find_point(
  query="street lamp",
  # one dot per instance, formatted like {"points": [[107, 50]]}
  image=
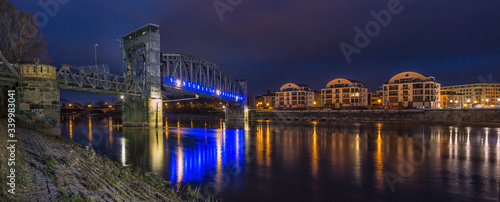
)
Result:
{"points": [[95, 51]]}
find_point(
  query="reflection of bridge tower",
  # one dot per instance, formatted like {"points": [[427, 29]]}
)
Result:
{"points": [[142, 62]]}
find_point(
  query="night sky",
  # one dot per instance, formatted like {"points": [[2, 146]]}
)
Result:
{"points": [[272, 43]]}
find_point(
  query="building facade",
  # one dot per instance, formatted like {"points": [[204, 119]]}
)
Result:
{"points": [[479, 94], [294, 96], [342, 92], [450, 99], [266, 101], [412, 90], [374, 101]]}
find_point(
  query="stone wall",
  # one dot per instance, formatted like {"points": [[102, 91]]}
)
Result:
{"points": [[38, 98], [434, 116], [3, 100]]}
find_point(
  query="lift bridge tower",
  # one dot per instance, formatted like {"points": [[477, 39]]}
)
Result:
{"points": [[141, 49]]}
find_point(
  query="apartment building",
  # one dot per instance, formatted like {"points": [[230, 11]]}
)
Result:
{"points": [[478, 94], [294, 96], [341, 92], [412, 90]]}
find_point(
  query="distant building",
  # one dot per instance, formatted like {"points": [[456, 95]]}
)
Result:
{"points": [[479, 94], [412, 90], [294, 96], [317, 99], [344, 93], [269, 100], [450, 99], [375, 100], [266, 101], [259, 101]]}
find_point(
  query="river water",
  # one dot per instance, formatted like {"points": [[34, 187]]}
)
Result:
{"points": [[306, 161]]}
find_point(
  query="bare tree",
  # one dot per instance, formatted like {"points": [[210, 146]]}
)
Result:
{"points": [[20, 38]]}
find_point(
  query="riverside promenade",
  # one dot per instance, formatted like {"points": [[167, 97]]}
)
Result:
{"points": [[451, 116]]}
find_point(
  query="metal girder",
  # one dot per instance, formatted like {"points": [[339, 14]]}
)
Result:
{"points": [[195, 74], [6, 67], [74, 78]]}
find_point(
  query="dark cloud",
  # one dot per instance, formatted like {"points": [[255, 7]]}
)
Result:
{"points": [[271, 43]]}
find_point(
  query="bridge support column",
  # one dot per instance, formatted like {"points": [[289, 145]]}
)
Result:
{"points": [[38, 98], [142, 112], [236, 112]]}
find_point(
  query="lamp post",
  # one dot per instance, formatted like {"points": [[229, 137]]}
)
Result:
{"points": [[95, 51]]}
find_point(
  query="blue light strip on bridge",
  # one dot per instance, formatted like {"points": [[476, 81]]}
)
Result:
{"points": [[193, 87]]}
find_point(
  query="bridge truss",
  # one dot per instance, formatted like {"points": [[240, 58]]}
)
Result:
{"points": [[8, 74], [72, 78], [190, 73]]}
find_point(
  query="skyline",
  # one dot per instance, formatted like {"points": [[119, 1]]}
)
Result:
{"points": [[273, 43]]}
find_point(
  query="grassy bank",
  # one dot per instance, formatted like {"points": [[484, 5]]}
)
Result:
{"points": [[58, 169]]}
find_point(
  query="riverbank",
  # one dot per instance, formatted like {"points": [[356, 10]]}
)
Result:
{"points": [[454, 116], [50, 168]]}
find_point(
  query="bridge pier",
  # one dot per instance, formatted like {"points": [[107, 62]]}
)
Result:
{"points": [[236, 112], [38, 98], [142, 112]]}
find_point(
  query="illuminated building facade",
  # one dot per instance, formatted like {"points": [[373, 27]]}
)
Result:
{"points": [[412, 90], [479, 94], [374, 100], [294, 96], [344, 93], [266, 101], [450, 99]]}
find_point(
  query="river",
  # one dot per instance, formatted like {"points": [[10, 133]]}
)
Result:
{"points": [[306, 161]]}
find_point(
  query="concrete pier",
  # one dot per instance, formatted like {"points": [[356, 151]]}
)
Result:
{"points": [[235, 112]]}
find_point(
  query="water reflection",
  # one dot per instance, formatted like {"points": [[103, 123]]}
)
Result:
{"points": [[315, 155], [90, 131], [307, 160], [379, 158], [71, 128]]}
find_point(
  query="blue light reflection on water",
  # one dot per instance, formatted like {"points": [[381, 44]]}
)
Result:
{"points": [[194, 161]]}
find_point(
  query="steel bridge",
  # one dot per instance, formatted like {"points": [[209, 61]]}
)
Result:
{"points": [[149, 76], [180, 73]]}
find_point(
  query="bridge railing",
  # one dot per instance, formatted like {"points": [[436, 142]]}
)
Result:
{"points": [[75, 78]]}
